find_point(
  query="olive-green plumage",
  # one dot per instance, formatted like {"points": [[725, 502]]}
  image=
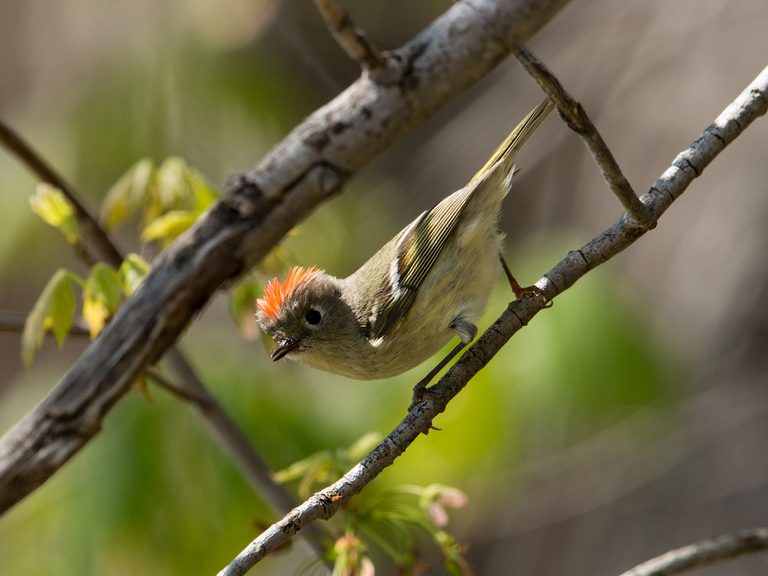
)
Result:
{"points": [[429, 282]]}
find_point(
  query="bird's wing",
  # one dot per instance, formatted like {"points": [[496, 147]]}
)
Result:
{"points": [[417, 248]]}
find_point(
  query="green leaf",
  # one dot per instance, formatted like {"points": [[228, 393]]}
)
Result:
{"points": [[62, 310], [102, 297], [54, 311], [172, 189], [132, 272], [168, 226], [52, 206], [203, 194], [363, 446], [303, 467], [127, 194]]}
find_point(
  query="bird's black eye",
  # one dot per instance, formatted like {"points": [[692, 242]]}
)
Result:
{"points": [[313, 316]]}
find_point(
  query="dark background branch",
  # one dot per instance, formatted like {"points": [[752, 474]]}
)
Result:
{"points": [[703, 553]]}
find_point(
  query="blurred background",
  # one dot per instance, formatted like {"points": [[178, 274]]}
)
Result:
{"points": [[629, 419]]}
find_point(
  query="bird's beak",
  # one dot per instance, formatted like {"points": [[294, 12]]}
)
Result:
{"points": [[284, 347]]}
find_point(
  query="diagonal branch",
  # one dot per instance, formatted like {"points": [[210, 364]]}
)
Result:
{"points": [[309, 166], [702, 553], [351, 38], [194, 391], [252, 466], [689, 164], [576, 117]]}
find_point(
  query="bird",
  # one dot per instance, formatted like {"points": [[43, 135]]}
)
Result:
{"points": [[429, 283]]}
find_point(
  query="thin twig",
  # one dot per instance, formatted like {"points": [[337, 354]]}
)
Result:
{"points": [[199, 401], [688, 165], [251, 465], [351, 38], [105, 248], [14, 322], [705, 552], [577, 120]]}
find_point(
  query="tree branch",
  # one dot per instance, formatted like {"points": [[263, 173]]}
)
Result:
{"points": [[689, 164], [704, 552], [255, 470], [308, 166], [577, 120], [351, 38], [14, 322], [194, 391], [105, 248]]}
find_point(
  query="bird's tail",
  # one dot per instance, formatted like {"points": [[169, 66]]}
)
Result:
{"points": [[507, 150]]}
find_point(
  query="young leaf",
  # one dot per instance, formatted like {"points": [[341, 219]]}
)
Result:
{"points": [[299, 469], [168, 226], [127, 194], [203, 194], [52, 206], [171, 186], [132, 272], [362, 446], [102, 297], [54, 310], [62, 309]]}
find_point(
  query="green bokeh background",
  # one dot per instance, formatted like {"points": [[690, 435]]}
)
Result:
{"points": [[154, 493]]}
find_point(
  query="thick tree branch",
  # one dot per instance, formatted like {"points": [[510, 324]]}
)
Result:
{"points": [[250, 463], [263, 204], [702, 553], [577, 120], [689, 164]]}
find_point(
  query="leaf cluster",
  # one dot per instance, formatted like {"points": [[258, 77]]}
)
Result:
{"points": [[164, 201], [403, 522]]}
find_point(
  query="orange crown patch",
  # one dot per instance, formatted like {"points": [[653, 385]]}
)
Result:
{"points": [[276, 292]]}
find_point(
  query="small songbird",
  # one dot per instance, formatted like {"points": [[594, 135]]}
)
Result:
{"points": [[428, 283]]}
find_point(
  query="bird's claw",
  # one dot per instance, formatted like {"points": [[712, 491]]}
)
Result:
{"points": [[420, 391], [533, 290]]}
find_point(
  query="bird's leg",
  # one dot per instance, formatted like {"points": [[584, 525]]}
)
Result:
{"points": [[521, 291], [467, 332], [421, 388]]}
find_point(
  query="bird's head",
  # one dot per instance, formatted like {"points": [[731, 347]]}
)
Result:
{"points": [[307, 316]]}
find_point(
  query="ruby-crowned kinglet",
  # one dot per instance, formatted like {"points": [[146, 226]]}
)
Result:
{"points": [[429, 282]]}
